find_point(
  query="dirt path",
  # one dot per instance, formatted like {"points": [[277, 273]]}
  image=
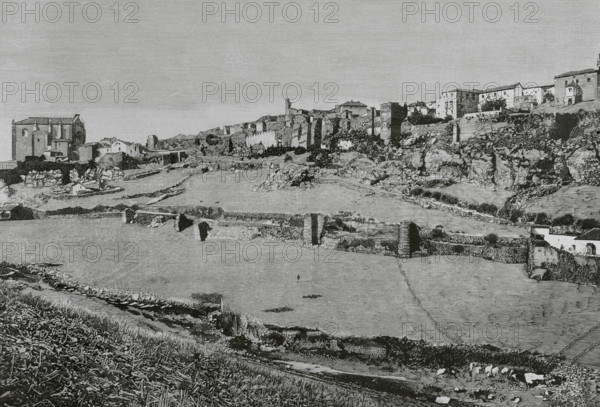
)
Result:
{"points": [[584, 349], [417, 301]]}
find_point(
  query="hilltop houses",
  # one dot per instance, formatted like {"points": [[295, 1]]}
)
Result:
{"points": [[511, 93], [577, 86]]}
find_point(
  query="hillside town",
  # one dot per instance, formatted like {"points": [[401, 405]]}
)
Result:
{"points": [[64, 139], [437, 252]]}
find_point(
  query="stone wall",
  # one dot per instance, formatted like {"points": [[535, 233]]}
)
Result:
{"points": [[501, 254], [564, 266]]}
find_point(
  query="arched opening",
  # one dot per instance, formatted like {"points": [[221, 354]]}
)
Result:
{"points": [[591, 249]]}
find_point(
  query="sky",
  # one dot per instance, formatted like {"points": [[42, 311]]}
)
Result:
{"points": [[133, 68]]}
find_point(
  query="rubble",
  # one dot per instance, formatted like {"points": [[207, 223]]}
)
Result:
{"points": [[38, 179]]}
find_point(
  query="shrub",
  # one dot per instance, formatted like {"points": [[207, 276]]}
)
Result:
{"points": [[274, 339], [449, 199], [565, 220], [240, 343], [416, 191], [437, 233], [489, 209], [542, 218], [587, 224], [436, 195], [491, 238], [458, 249], [515, 215], [426, 194]]}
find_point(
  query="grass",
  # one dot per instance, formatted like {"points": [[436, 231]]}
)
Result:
{"points": [[63, 356]]}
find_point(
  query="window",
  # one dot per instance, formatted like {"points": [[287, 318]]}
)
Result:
{"points": [[577, 81], [589, 80], [566, 83]]}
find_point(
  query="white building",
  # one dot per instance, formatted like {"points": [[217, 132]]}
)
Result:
{"points": [[114, 145], [537, 94], [585, 244], [510, 93]]}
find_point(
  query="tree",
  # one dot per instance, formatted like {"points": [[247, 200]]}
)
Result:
{"points": [[493, 104]]}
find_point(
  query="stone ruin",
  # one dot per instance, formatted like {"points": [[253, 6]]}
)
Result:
{"points": [[38, 179]]}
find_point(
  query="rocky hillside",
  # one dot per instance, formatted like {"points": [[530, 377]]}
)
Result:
{"points": [[529, 151]]}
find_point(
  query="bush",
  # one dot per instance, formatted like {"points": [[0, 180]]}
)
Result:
{"points": [[416, 191], [493, 104], [565, 220], [299, 150], [436, 195], [489, 209], [515, 215], [491, 238], [458, 249], [587, 224], [240, 343], [542, 218], [426, 194], [437, 233], [449, 199]]}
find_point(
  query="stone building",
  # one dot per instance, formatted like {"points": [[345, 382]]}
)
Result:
{"points": [[88, 152], [355, 108], [392, 116], [457, 103], [577, 86], [35, 136], [152, 143]]}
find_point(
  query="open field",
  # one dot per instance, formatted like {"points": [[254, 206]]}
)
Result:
{"points": [[380, 295], [580, 201], [234, 192]]}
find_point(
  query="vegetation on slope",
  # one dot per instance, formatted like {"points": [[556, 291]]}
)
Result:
{"points": [[60, 356]]}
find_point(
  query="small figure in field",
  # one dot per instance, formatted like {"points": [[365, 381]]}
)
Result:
{"points": [[298, 278]]}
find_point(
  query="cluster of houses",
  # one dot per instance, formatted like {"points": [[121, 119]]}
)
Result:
{"points": [[569, 88], [64, 139], [307, 128]]}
